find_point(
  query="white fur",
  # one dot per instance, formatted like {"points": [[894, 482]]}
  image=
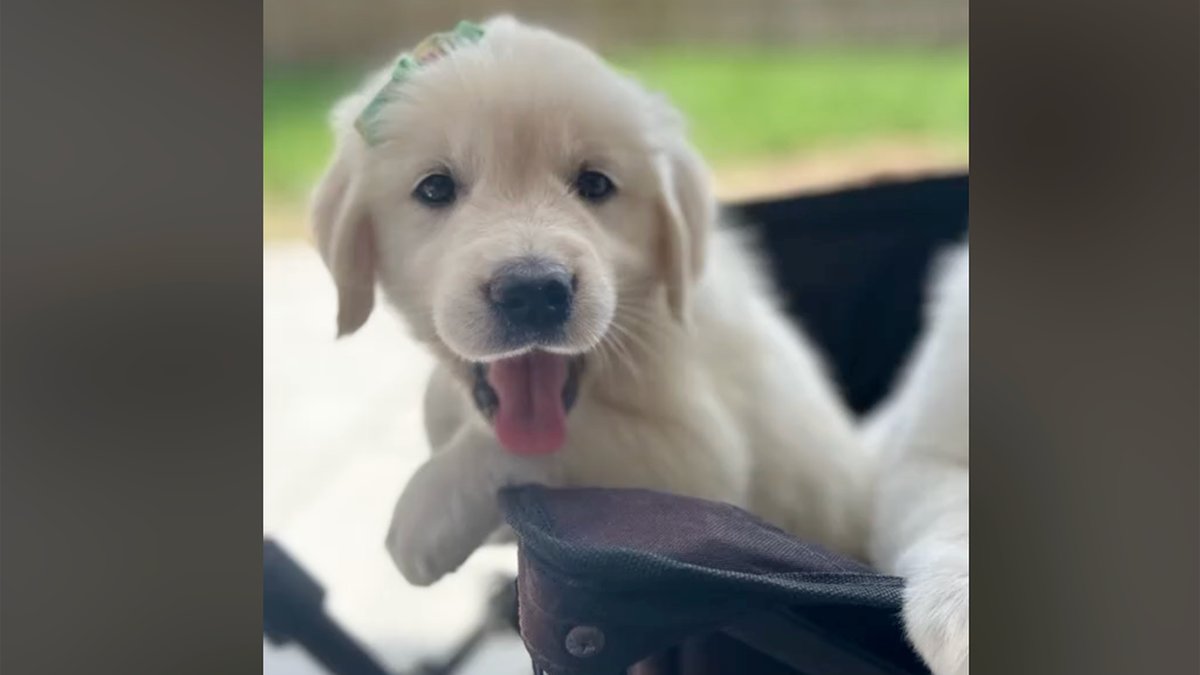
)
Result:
{"points": [[695, 381], [921, 528]]}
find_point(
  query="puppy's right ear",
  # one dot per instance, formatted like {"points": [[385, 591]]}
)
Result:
{"points": [[345, 236]]}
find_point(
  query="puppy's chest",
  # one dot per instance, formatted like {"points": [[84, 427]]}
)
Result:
{"points": [[696, 455]]}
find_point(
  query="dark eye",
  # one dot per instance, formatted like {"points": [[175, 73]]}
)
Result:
{"points": [[594, 186], [435, 190]]}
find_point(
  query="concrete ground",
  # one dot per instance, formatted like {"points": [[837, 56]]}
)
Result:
{"points": [[342, 432]]}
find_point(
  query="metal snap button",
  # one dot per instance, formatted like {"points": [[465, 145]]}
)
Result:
{"points": [[584, 641]]}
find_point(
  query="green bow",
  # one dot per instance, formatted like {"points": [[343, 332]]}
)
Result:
{"points": [[427, 51]]}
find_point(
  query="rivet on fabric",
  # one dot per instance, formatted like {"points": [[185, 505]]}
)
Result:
{"points": [[584, 641]]}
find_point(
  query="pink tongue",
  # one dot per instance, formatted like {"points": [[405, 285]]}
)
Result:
{"points": [[530, 419]]}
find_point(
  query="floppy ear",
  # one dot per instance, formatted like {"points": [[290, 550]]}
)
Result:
{"points": [[688, 214], [345, 237]]}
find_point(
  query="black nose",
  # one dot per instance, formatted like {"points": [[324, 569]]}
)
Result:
{"points": [[533, 297]]}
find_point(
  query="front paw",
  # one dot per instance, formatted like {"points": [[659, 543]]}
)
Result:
{"points": [[937, 616], [423, 552], [435, 526]]}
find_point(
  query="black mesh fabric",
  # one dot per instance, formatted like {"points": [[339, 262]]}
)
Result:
{"points": [[611, 580]]}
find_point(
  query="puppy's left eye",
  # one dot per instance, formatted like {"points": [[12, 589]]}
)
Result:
{"points": [[594, 186]]}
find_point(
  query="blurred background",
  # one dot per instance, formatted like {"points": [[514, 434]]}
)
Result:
{"points": [[781, 95]]}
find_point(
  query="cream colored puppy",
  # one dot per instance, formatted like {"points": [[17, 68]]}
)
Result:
{"points": [[544, 226], [921, 528]]}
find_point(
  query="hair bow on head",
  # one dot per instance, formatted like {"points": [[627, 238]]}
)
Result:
{"points": [[427, 51]]}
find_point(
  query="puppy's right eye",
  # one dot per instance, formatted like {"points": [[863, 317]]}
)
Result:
{"points": [[435, 190]]}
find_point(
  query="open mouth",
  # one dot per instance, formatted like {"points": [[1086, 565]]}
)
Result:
{"points": [[527, 399]]}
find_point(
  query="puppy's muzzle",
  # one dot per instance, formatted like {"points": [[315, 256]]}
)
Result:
{"points": [[531, 300]]}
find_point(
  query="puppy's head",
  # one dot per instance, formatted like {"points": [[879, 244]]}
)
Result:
{"points": [[518, 197]]}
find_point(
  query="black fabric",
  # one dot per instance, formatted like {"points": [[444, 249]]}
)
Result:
{"points": [[854, 265]]}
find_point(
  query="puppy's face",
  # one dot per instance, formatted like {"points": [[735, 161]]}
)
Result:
{"points": [[522, 196]]}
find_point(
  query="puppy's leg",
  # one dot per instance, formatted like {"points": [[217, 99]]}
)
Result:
{"points": [[446, 408], [936, 568], [449, 507], [922, 513], [447, 411]]}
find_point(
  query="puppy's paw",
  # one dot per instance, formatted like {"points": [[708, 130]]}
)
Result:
{"points": [[435, 527], [937, 614], [424, 553]]}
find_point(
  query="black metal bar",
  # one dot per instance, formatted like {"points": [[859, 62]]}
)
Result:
{"points": [[293, 611]]}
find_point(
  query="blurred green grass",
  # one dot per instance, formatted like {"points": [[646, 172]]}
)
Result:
{"points": [[741, 105]]}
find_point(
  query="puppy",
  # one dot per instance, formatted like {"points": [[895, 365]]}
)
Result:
{"points": [[545, 227], [921, 527]]}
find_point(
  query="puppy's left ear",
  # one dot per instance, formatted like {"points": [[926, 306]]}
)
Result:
{"points": [[688, 214]]}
